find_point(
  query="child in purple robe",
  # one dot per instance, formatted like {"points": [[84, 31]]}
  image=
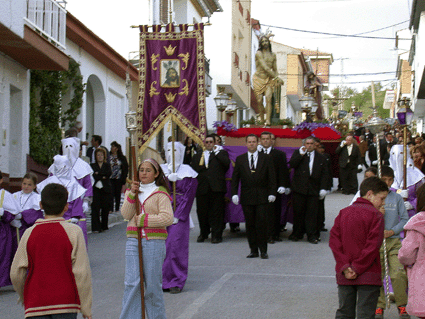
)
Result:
{"points": [[9, 223], [28, 202], [176, 263]]}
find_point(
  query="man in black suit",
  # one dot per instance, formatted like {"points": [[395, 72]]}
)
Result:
{"points": [[308, 186], [282, 181], [211, 166], [349, 162], [255, 172], [96, 142]]}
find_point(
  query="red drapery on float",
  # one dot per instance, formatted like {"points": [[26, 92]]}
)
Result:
{"points": [[324, 133]]}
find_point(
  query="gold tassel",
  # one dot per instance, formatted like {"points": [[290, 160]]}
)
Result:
{"points": [[201, 162]]}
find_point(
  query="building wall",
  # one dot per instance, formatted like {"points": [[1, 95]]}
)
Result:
{"points": [[12, 13], [105, 102], [14, 110], [241, 47], [321, 68]]}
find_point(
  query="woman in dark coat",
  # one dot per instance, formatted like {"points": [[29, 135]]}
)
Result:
{"points": [[119, 167], [101, 191], [190, 150]]}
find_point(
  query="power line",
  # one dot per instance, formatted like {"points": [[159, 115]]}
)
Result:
{"points": [[382, 28], [334, 34]]}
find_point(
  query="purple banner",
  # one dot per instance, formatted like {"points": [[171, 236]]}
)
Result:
{"points": [[171, 82]]}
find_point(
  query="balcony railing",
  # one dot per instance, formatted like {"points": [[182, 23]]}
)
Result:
{"points": [[49, 18]]}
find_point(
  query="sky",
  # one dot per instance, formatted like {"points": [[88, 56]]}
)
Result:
{"points": [[111, 21]]}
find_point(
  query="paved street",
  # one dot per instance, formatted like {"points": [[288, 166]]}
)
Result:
{"points": [[296, 282]]}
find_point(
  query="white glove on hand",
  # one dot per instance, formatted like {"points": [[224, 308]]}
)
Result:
{"points": [[176, 220], [360, 166], [375, 162], [1, 212], [172, 177], [303, 150], [259, 148], [281, 190], [322, 193], [74, 220], [18, 216], [217, 149], [408, 205], [342, 144], [287, 191], [235, 199], [16, 223], [85, 207], [404, 193], [272, 198]]}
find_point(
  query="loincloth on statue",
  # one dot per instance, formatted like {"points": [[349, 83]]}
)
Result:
{"points": [[260, 85]]}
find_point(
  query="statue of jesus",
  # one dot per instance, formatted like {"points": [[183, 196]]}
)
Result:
{"points": [[265, 78]]}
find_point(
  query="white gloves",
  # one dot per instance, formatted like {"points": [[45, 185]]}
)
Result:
{"points": [[404, 193], [1, 212], [74, 220], [375, 162], [172, 177], [16, 223], [342, 144], [360, 166], [281, 190], [259, 148], [18, 216], [235, 199], [176, 220], [272, 198], [217, 148], [303, 150], [408, 205], [287, 191], [322, 193], [85, 207]]}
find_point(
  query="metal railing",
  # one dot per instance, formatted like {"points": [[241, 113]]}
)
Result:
{"points": [[48, 17]]}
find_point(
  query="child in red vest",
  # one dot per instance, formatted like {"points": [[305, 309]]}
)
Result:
{"points": [[51, 270], [355, 240]]}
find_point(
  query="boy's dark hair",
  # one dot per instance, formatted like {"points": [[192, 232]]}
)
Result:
{"points": [[246, 138], [54, 198], [372, 169], [1, 175], [374, 184], [387, 172]]}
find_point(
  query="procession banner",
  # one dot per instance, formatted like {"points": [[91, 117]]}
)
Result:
{"points": [[171, 82]]}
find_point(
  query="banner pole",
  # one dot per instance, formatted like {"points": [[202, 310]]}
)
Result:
{"points": [[173, 139]]}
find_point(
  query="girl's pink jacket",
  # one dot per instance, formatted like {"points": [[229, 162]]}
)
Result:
{"points": [[412, 255]]}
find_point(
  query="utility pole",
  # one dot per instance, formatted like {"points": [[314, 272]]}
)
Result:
{"points": [[340, 105]]}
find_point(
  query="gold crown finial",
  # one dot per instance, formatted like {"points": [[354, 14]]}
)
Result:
{"points": [[170, 97], [170, 50]]}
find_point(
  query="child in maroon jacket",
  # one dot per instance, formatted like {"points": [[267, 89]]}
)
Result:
{"points": [[355, 240]]}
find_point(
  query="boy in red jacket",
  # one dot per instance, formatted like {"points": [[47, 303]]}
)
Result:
{"points": [[355, 240], [51, 270]]}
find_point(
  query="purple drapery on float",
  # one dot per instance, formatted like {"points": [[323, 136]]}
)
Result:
{"points": [[171, 81]]}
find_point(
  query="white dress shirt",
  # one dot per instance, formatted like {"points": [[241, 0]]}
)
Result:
{"points": [[207, 157], [255, 159], [267, 150], [310, 164]]}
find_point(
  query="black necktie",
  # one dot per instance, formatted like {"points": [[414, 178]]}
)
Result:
{"points": [[308, 154], [252, 161]]}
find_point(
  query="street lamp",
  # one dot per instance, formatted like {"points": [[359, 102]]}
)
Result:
{"points": [[307, 106], [405, 117], [221, 100]]}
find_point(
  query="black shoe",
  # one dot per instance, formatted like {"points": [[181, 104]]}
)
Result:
{"points": [[271, 241], [313, 241], [175, 290], [252, 255], [277, 239], [216, 240], [294, 237], [264, 256], [324, 229], [200, 239]]}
